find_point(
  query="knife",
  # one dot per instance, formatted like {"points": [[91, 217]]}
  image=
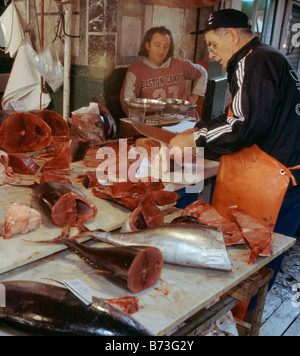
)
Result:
{"points": [[153, 132]]}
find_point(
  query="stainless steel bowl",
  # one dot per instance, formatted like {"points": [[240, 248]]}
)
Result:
{"points": [[179, 106], [145, 104]]}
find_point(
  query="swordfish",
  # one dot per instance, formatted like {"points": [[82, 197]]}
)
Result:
{"points": [[198, 246]]}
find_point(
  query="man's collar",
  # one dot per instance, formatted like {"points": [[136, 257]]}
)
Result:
{"points": [[148, 63], [241, 54]]}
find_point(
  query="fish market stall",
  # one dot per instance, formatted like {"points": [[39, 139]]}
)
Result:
{"points": [[180, 293], [131, 241]]}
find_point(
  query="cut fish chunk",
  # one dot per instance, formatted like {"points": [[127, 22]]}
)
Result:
{"points": [[257, 236], [20, 219]]}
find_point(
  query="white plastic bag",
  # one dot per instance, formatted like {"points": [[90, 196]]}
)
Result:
{"points": [[49, 66]]}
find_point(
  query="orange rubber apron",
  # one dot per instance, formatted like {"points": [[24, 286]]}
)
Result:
{"points": [[256, 183]]}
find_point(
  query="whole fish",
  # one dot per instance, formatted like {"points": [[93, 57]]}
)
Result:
{"points": [[181, 244], [49, 309], [135, 267], [64, 203]]}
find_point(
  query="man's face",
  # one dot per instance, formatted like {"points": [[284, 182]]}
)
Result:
{"points": [[158, 48], [220, 46]]}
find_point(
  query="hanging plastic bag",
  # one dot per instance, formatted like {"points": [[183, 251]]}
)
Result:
{"points": [[49, 66]]}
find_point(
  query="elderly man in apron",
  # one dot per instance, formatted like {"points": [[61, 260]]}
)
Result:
{"points": [[258, 138]]}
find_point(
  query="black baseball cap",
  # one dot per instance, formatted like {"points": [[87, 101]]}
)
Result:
{"points": [[228, 18]]}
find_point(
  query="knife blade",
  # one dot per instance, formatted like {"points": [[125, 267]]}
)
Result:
{"points": [[153, 132]]}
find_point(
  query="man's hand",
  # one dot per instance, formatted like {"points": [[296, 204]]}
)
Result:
{"points": [[182, 141], [179, 143], [194, 98]]}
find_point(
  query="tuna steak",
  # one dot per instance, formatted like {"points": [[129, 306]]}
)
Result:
{"points": [[24, 132], [59, 127]]}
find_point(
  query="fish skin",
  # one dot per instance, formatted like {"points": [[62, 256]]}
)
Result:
{"points": [[50, 309], [180, 244]]}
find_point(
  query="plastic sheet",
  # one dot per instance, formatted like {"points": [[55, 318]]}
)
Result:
{"points": [[49, 66]]}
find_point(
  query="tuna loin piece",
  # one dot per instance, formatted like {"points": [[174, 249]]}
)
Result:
{"points": [[24, 132], [74, 148], [257, 236], [65, 204], [129, 194], [90, 179], [207, 214], [54, 309], [129, 304], [22, 164], [6, 172], [57, 165], [53, 177], [20, 219]]}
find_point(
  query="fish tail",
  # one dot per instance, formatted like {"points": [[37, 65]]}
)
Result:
{"points": [[83, 231], [56, 240], [61, 239]]}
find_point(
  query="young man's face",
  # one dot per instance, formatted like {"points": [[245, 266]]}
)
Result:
{"points": [[158, 48]]}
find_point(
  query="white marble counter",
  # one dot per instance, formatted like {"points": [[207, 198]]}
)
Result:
{"points": [[181, 291]]}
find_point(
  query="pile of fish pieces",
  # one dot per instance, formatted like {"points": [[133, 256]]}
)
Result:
{"points": [[244, 229], [135, 267], [37, 132]]}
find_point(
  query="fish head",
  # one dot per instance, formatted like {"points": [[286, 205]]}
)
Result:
{"points": [[90, 125], [100, 129]]}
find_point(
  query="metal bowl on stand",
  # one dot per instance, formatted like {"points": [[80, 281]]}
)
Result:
{"points": [[179, 106], [151, 105], [144, 105]]}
